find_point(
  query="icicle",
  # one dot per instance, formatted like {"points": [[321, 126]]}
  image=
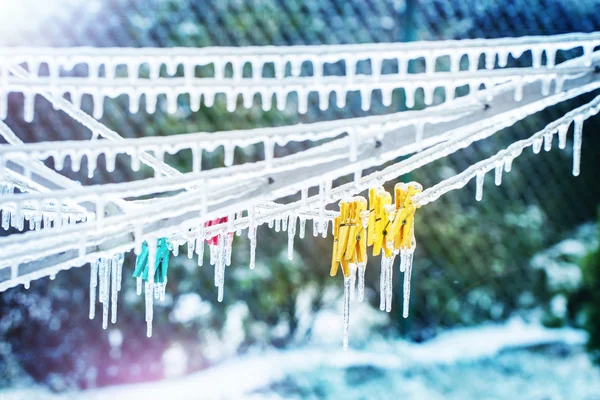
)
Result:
{"points": [[114, 298], [366, 95], [518, 89], [200, 244], [28, 106], [291, 234], [229, 150], [252, 235], [190, 248], [548, 136], [409, 93], [479, 190], [238, 216], [93, 285], [390, 284], [149, 289], [577, 139], [382, 284], [228, 248], [324, 229], [537, 145], [277, 225], [407, 276], [322, 199], [213, 254], [105, 283], [498, 176], [353, 269], [508, 163], [302, 231], [139, 286], [220, 268], [362, 267], [120, 259], [347, 285], [315, 227], [562, 136], [5, 219]]}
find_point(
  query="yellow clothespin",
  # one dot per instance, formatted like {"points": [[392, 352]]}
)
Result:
{"points": [[350, 240], [403, 226], [382, 222]]}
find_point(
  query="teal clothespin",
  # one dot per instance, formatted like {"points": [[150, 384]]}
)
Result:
{"points": [[161, 263]]}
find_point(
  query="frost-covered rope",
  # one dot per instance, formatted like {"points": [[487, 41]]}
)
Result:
{"points": [[208, 88], [229, 140], [279, 58], [504, 158], [462, 139]]}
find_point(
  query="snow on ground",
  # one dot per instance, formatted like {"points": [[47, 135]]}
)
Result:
{"points": [[273, 374]]}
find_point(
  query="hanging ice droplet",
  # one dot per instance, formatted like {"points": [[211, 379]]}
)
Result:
{"points": [[347, 285], [277, 225], [562, 136], [362, 267], [577, 139], [498, 173], [508, 163], [548, 136], [302, 231], [537, 145], [479, 190], [190, 248], [139, 286], [407, 276]]}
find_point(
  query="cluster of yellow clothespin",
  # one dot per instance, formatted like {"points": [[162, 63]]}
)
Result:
{"points": [[386, 226]]}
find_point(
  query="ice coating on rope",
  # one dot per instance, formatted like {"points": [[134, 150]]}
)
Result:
{"points": [[279, 56]]}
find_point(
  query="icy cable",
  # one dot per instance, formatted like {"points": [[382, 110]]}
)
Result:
{"points": [[261, 59]]}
